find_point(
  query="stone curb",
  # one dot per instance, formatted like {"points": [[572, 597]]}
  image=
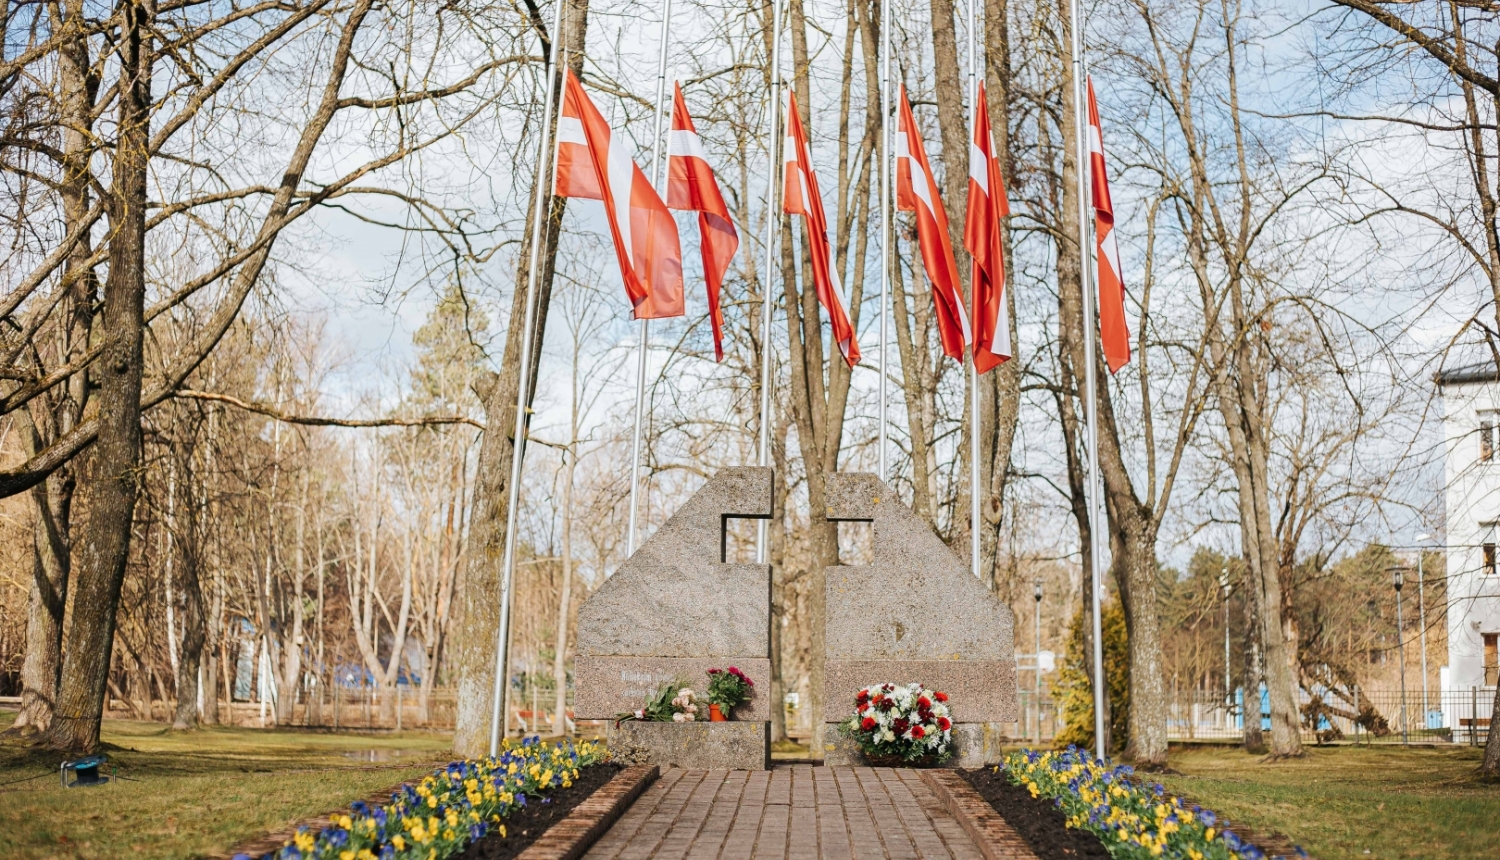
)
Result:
{"points": [[570, 838], [996, 839]]}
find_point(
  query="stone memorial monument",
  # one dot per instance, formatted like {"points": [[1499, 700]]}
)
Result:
{"points": [[675, 609], [917, 614]]}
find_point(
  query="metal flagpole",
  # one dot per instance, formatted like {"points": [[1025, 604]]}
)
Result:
{"points": [[635, 439], [498, 710], [640, 371], [973, 366], [773, 152], [887, 210], [1091, 393]]}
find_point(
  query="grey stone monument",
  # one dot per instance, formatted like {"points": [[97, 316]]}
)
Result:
{"points": [[675, 609], [917, 614]]}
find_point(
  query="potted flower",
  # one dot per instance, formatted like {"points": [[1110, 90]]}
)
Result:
{"points": [[675, 702], [727, 690], [901, 724]]}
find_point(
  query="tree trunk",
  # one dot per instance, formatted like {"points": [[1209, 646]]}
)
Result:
{"points": [[211, 660], [479, 588], [52, 543], [44, 625], [193, 635], [1136, 522], [776, 536], [291, 650], [1000, 390], [1253, 736], [47, 597], [1490, 767], [819, 400], [110, 496]]}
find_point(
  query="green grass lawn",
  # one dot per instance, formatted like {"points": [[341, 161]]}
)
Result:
{"points": [[1359, 802], [196, 793]]}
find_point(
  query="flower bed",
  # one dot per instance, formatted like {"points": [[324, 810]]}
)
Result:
{"points": [[1131, 819], [446, 811]]}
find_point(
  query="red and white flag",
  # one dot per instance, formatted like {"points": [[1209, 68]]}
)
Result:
{"points": [[691, 185], [988, 206], [801, 197], [1114, 332], [592, 163], [917, 191]]}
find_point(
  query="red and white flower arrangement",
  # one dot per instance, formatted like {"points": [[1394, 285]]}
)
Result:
{"points": [[901, 721]]}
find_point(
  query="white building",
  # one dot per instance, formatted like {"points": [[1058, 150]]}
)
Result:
{"points": [[1471, 471]]}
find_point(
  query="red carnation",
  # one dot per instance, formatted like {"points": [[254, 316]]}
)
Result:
{"points": [[917, 732], [944, 723], [864, 696], [867, 723], [941, 697], [924, 704], [862, 707], [900, 725]]}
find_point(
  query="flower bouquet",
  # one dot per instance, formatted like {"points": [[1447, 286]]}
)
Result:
{"points": [[897, 724], [727, 690], [674, 702]]}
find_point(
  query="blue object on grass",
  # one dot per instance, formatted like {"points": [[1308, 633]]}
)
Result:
{"points": [[85, 771]]}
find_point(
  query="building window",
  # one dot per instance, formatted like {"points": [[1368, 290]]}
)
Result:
{"points": [[1489, 559], [1491, 658], [1487, 436]]}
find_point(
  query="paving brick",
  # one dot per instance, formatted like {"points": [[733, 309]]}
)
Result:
{"points": [[807, 813]]}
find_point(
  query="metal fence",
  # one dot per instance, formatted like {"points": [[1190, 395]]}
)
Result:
{"points": [[357, 707], [1373, 716], [1447, 717]]}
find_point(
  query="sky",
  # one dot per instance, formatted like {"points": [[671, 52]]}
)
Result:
{"points": [[371, 301]]}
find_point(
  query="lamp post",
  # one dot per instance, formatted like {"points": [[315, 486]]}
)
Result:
{"points": [[1228, 692], [1397, 580], [1036, 695], [1422, 619]]}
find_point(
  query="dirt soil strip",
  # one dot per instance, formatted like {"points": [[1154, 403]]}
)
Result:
{"points": [[570, 838], [273, 841], [996, 839], [1039, 823]]}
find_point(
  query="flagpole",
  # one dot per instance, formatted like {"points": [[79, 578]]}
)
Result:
{"points": [[1091, 393], [773, 152], [973, 365], [886, 211], [633, 532], [498, 709]]}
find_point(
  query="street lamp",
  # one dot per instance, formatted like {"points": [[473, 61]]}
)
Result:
{"points": [[1228, 692], [1422, 619], [1397, 579], [1037, 693]]}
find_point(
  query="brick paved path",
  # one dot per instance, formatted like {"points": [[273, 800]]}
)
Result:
{"points": [[791, 812]]}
